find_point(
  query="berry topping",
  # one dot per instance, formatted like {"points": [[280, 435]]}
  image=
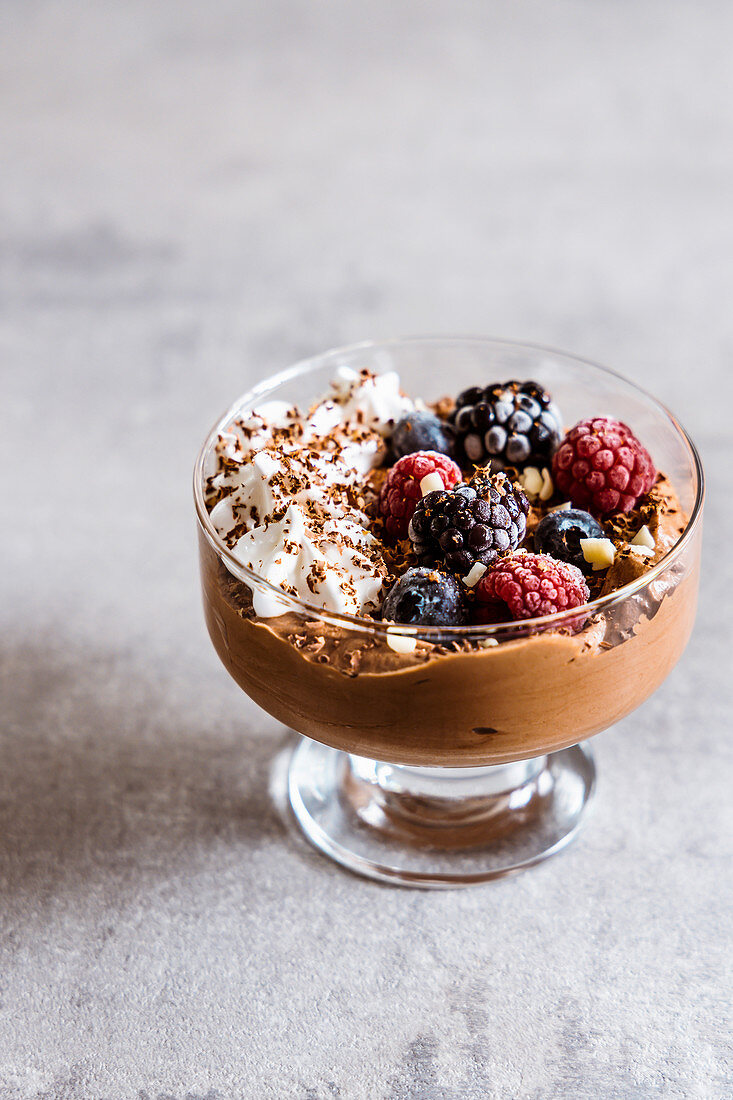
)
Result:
{"points": [[422, 431], [532, 585], [472, 523], [512, 424], [401, 490], [602, 466], [559, 533], [425, 597]]}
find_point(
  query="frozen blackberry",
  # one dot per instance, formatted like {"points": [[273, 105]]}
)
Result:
{"points": [[511, 424], [425, 597], [559, 533], [474, 523], [422, 431]]}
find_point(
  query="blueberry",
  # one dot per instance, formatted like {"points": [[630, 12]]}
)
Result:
{"points": [[422, 431], [559, 535], [425, 597]]}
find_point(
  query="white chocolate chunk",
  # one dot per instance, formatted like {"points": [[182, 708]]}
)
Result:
{"points": [[645, 551], [531, 481], [401, 643], [431, 483], [487, 643], [643, 537], [560, 507], [547, 487], [598, 552], [474, 575]]}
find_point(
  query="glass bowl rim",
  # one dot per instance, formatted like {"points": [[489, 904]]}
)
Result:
{"points": [[440, 633]]}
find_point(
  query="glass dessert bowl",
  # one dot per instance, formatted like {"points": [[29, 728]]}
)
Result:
{"points": [[441, 755]]}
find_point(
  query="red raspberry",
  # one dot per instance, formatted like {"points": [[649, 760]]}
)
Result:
{"points": [[532, 585], [602, 467], [401, 489]]}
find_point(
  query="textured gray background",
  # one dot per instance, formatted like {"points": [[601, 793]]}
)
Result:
{"points": [[192, 195]]}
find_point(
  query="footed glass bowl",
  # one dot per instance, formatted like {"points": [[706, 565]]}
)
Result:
{"points": [[445, 756]]}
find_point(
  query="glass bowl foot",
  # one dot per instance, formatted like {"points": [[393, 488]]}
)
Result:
{"points": [[438, 827]]}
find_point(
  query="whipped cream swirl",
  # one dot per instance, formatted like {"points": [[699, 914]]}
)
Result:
{"points": [[289, 498]]}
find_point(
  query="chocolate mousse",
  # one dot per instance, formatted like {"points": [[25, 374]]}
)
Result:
{"points": [[321, 506]]}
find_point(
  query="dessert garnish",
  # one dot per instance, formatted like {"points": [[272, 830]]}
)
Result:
{"points": [[403, 487], [645, 551], [537, 484], [644, 537], [401, 643], [356, 505], [422, 431], [510, 423], [471, 523], [287, 493], [532, 585], [425, 597], [599, 553], [559, 534], [601, 465]]}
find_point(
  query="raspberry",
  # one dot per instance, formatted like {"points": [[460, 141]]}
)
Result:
{"points": [[510, 423], [602, 467], [532, 585], [401, 492], [472, 523]]}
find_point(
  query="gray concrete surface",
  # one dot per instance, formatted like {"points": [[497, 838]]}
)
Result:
{"points": [[192, 195]]}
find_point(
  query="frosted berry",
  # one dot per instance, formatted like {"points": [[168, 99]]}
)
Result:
{"points": [[401, 490], [471, 523], [510, 423], [425, 597], [532, 585], [422, 431], [559, 533], [602, 467]]}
